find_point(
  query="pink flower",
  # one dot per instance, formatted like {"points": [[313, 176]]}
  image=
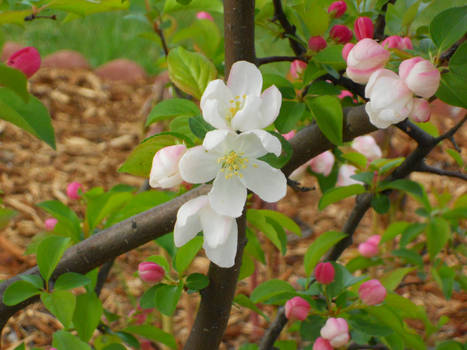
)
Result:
{"points": [[72, 190], [337, 9], [366, 57], [367, 146], [336, 330], [363, 28], [421, 110], [406, 43], [392, 42], [341, 34], [50, 224], [322, 344], [346, 49], [289, 135], [345, 172], [345, 93], [369, 248], [317, 43], [297, 308], [372, 292], [296, 68], [150, 272], [164, 171], [391, 100], [324, 273], [204, 15], [27, 60], [322, 163], [420, 75]]}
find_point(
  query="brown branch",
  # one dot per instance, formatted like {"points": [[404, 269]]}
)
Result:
{"points": [[272, 59], [274, 330], [289, 29], [425, 168], [381, 21]]}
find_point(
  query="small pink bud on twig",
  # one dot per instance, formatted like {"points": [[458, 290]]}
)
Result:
{"points": [[337, 9], [27, 60], [324, 273], [72, 190], [50, 223], [372, 292], [150, 272], [297, 308]]}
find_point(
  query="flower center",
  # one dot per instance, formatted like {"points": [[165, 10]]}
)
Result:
{"points": [[232, 163], [235, 105]]}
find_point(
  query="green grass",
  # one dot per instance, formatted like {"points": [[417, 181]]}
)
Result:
{"points": [[100, 38]]}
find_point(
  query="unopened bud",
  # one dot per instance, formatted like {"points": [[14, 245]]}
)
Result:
{"points": [[372, 292], [337, 9], [150, 272], [363, 28], [72, 190], [324, 273], [27, 60], [297, 308], [50, 223], [341, 34], [317, 43]]}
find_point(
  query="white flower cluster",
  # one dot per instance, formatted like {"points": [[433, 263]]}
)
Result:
{"points": [[229, 156]]}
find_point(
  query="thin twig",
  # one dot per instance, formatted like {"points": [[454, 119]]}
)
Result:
{"points": [[274, 330], [289, 29], [295, 185], [271, 59], [425, 168]]}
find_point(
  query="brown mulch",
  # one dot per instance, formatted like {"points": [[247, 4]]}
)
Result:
{"points": [[97, 124]]}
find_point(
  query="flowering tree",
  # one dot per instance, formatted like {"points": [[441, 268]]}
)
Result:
{"points": [[252, 136]]}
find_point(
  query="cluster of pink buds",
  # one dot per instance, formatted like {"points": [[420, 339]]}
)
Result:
{"points": [[334, 334], [27, 60], [369, 248], [397, 42]]}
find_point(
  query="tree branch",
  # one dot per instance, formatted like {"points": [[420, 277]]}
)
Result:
{"points": [[264, 60], [274, 330], [425, 168], [289, 29]]}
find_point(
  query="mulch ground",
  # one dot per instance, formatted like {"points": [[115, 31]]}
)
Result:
{"points": [[97, 124]]}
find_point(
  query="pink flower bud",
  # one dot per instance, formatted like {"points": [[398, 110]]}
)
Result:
{"points": [[322, 344], [392, 42], [421, 110], [297, 308], [150, 272], [363, 28], [50, 223], [324, 273], [296, 68], [289, 135], [345, 93], [72, 190], [420, 75], [375, 239], [372, 292], [367, 146], [369, 248], [27, 60], [337, 9], [341, 34], [336, 330], [322, 163], [164, 171], [406, 44], [346, 49], [317, 43], [365, 58], [204, 15], [343, 177]]}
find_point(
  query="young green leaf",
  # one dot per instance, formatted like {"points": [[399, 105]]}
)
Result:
{"points": [[87, 314], [49, 252], [319, 247], [62, 304], [70, 280], [19, 291], [65, 340], [337, 193], [187, 253], [153, 333], [171, 108], [327, 111]]}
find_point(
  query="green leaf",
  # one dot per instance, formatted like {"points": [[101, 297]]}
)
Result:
{"points": [[15, 17], [5, 216], [19, 291], [258, 220], [285, 87], [407, 309], [14, 80], [197, 281], [449, 345], [187, 253], [285, 345], [360, 161], [327, 111], [317, 18], [337, 193], [199, 127], [85, 8], [448, 27], [368, 326], [290, 114], [21, 347], [437, 235], [409, 256], [101, 205], [283, 220], [253, 246], [380, 203], [454, 154], [445, 276], [171, 108], [392, 279], [272, 159], [319, 247], [114, 346], [452, 90], [172, 6], [62, 304], [87, 315], [153, 333], [63, 340], [269, 289], [167, 297], [458, 61], [244, 301], [410, 14], [248, 266], [360, 263], [66, 217], [332, 56], [31, 116], [393, 21], [35, 280], [411, 187], [140, 160], [70, 280], [393, 230], [160, 260], [49, 252], [191, 72]]}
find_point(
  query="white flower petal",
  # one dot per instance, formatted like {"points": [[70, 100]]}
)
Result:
{"points": [[216, 90], [249, 144], [271, 143], [227, 196], [249, 117], [216, 228], [188, 223], [214, 113], [245, 78], [270, 105], [267, 182], [168, 182], [198, 166], [213, 139], [224, 255]]}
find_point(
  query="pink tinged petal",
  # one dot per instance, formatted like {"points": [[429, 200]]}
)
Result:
{"points": [[204, 15], [216, 228], [406, 43], [245, 78], [406, 66], [421, 110], [367, 146], [289, 135], [270, 143], [270, 105], [224, 255], [228, 196], [346, 50], [267, 182], [322, 344], [198, 165], [249, 117], [323, 163], [423, 78], [164, 171], [340, 340], [188, 223], [27, 60]]}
